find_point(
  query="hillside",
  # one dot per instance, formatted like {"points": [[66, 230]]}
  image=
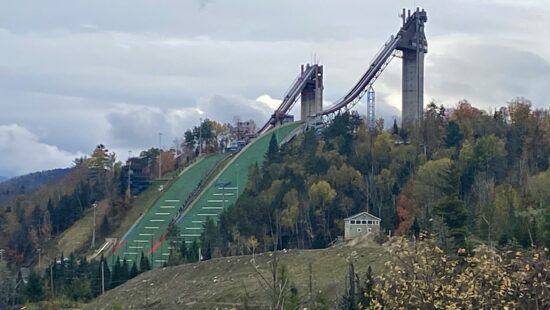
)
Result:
{"points": [[230, 281], [26, 184]]}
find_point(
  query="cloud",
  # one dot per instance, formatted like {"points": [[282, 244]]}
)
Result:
{"points": [[75, 74], [22, 152], [487, 74], [134, 126]]}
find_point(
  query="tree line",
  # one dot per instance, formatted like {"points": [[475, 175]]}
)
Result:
{"points": [[466, 176], [69, 278]]}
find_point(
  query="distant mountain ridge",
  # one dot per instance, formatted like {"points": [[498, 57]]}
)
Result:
{"points": [[21, 185], [3, 178]]}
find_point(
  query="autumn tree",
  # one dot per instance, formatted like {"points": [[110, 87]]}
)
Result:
{"points": [[321, 194]]}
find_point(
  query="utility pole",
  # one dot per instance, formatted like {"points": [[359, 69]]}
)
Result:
{"points": [[146, 292], [310, 297], [152, 253], [237, 165], [488, 230], [93, 231], [51, 278], [200, 137], [129, 174], [102, 278], [160, 155], [223, 197]]}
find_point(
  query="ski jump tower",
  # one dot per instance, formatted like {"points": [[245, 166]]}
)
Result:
{"points": [[413, 45], [312, 93], [410, 40]]}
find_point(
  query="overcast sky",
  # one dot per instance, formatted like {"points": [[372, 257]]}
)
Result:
{"points": [[74, 74]]}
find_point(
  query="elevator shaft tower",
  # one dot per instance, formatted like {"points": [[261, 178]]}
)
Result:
{"points": [[413, 45]]}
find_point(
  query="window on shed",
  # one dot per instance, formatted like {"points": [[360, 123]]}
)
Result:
{"points": [[369, 222], [352, 222], [364, 222]]}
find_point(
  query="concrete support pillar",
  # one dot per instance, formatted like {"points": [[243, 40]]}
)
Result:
{"points": [[312, 95], [412, 87], [414, 46]]}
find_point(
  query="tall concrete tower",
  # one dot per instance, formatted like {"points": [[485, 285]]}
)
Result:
{"points": [[414, 45], [312, 94]]}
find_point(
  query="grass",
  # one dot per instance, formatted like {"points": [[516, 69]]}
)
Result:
{"points": [[224, 282]]}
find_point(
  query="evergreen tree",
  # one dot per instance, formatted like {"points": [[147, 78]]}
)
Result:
{"points": [[34, 289], [454, 213], [366, 290], [144, 264], [106, 274], [273, 149], [208, 237], [80, 289], [174, 258], [96, 279], [453, 135], [134, 270], [183, 251], [395, 129], [125, 272], [116, 276], [193, 253], [105, 227]]}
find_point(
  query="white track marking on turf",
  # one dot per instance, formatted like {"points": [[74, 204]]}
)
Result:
{"points": [[197, 221], [144, 234], [222, 194], [212, 208], [189, 235], [206, 214], [151, 227], [141, 241], [156, 220], [167, 207], [172, 200], [193, 228], [162, 213]]}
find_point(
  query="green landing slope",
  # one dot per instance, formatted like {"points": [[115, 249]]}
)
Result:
{"points": [[154, 223], [226, 187]]}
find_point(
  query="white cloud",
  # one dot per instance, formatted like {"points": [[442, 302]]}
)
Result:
{"points": [[78, 74], [22, 152], [271, 103]]}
